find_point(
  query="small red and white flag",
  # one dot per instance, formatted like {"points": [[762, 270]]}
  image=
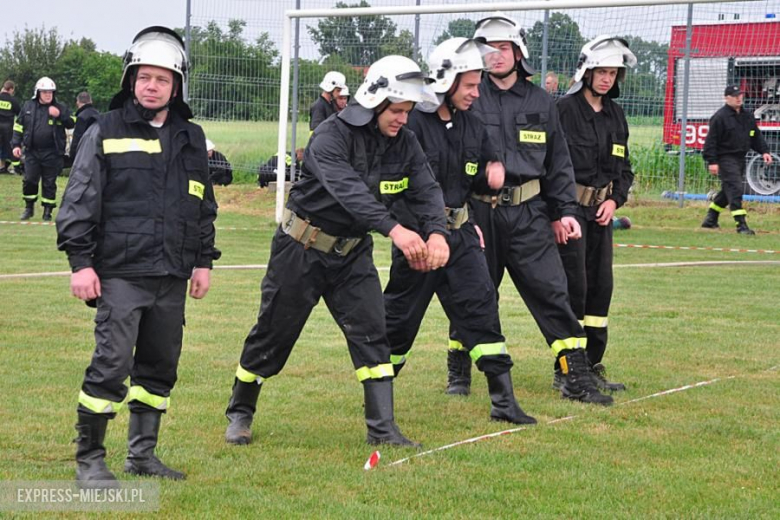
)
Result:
{"points": [[372, 461]]}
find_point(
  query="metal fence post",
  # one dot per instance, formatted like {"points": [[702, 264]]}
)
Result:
{"points": [[295, 92], [416, 34], [684, 122], [545, 32], [185, 89]]}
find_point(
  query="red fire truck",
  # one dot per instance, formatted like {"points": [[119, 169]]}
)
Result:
{"points": [[724, 53]]}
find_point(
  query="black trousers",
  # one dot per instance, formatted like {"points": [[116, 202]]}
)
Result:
{"points": [[41, 166], [466, 294], [6, 153], [731, 170], [588, 266], [145, 313], [520, 240], [295, 281]]}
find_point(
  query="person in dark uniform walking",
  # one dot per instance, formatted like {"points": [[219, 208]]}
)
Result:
{"points": [[355, 166], [458, 150], [9, 109], [325, 105], [137, 222], [522, 122], [86, 114], [40, 130], [733, 133], [597, 133]]}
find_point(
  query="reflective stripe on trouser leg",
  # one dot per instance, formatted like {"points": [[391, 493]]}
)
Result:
{"points": [[245, 376], [568, 344], [454, 344], [488, 349], [377, 372], [139, 393], [97, 405], [738, 212], [715, 207]]}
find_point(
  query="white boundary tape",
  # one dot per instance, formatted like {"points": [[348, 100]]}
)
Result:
{"points": [[562, 419]]}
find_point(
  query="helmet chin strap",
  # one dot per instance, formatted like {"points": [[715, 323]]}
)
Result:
{"points": [[505, 74], [448, 99], [148, 114]]}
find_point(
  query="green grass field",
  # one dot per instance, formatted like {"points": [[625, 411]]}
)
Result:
{"points": [[707, 452]]}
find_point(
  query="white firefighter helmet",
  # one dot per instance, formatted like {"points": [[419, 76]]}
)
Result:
{"points": [[455, 56], [501, 28], [344, 91], [209, 145], [158, 47], [393, 78], [45, 83], [333, 80], [604, 51]]}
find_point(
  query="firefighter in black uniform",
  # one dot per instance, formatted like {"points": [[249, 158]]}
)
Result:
{"points": [[355, 165], [40, 129], [733, 132], [137, 221], [458, 149], [522, 122], [325, 105], [86, 114], [9, 109], [597, 134]]}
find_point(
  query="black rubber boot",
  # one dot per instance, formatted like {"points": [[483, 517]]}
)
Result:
{"points": [[711, 220], [558, 379], [91, 469], [380, 420], [579, 385], [47, 213], [502, 398], [240, 411], [599, 374], [742, 227], [141, 441], [458, 372], [29, 211]]}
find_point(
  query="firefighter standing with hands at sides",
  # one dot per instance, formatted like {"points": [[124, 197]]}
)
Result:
{"points": [[356, 165], [325, 105], [40, 130], [522, 122], [458, 150], [9, 109], [597, 133], [732, 134], [137, 222]]}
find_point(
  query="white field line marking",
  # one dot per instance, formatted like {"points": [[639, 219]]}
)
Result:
{"points": [[265, 266], [559, 420]]}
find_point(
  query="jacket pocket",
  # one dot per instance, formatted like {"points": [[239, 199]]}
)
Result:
{"points": [[128, 242]]}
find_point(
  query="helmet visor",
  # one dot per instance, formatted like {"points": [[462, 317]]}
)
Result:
{"points": [[490, 55]]}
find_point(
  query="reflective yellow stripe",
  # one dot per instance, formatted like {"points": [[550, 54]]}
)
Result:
{"points": [[530, 136], [18, 128], [738, 212], [196, 189], [752, 133], [581, 322], [715, 207], [618, 150], [131, 145], [16, 163], [288, 160], [98, 405], [30, 197], [5, 105], [390, 187], [74, 118], [139, 393], [568, 344], [487, 349], [471, 168], [377, 372], [596, 321], [454, 344], [48, 201], [245, 376], [397, 360]]}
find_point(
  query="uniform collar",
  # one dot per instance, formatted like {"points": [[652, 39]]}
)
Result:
{"points": [[586, 110], [519, 87]]}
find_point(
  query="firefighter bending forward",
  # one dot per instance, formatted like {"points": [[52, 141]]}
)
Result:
{"points": [[458, 150], [356, 164], [137, 221]]}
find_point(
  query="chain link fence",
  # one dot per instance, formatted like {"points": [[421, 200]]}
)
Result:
{"points": [[235, 81]]}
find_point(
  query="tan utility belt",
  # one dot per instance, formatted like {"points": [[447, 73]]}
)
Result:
{"points": [[313, 237], [512, 195], [590, 196], [456, 217]]}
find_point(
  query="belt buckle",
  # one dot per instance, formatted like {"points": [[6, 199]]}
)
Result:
{"points": [[506, 195], [338, 246]]}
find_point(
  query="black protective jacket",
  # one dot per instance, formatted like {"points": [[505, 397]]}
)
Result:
{"points": [[220, 170], [126, 212], [732, 133], [9, 109], [523, 124], [320, 111], [351, 174], [598, 144], [34, 120], [457, 151], [85, 116]]}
